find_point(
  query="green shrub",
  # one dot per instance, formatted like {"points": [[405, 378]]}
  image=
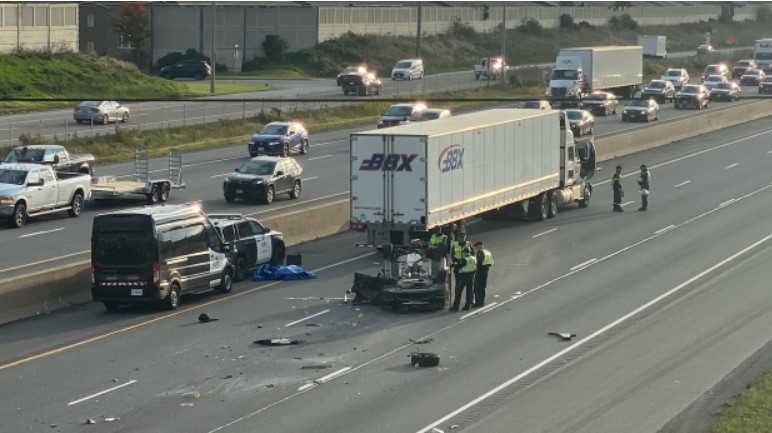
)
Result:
{"points": [[567, 22], [274, 47], [530, 26], [622, 22]]}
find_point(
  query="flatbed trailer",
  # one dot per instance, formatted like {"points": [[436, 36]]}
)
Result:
{"points": [[153, 190]]}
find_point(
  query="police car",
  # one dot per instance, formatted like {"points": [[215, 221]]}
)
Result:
{"points": [[254, 244]]}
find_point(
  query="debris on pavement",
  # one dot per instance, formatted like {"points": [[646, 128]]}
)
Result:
{"points": [[204, 318], [90, 421], [421, 341], [315, 367], [421, 359], [562, 335], [112, 419], [278, 342], [314, 324]]}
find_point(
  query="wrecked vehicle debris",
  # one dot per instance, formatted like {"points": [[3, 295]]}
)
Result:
{"points": [[562, 335], [278, 342], [420, 359]]}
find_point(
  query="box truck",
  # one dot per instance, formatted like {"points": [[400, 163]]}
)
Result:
{"points": [[653, 46], [580, 71], [409, 179], [762, 53]]}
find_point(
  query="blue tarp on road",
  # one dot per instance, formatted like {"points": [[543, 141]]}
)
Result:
{"points": [[292, 272]]}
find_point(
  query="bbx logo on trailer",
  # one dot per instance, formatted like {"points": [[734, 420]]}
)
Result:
{"points": [[451, 158], [388, 162]]}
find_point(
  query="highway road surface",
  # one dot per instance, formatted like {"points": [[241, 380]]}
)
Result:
{"points": [[664, 304]]}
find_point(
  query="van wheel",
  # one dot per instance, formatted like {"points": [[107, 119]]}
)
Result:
{"points": [[76, 205], [241, 269], [172, 301], [295, 193], [268, 198], [112, 306], [19, 217], [226, 284], [553, 206], [278, 254]]}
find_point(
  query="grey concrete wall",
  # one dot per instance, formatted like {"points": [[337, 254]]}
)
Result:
{"points": [[38, 26]]}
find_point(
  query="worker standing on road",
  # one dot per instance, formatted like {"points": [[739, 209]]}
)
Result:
{"points": [[484, 263], [616, 185], [467, 266], [643, 182], [438, 238]]}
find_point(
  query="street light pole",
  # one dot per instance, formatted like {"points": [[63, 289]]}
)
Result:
{"points": [[213, 52], [419, 30]]}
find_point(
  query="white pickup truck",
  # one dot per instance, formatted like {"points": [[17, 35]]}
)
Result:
{"points": [[490, 68], [32, 189]]}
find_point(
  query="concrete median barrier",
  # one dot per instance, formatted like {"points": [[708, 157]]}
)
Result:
{"points": [[30, 295]]}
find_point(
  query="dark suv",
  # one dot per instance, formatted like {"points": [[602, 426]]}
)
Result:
{"points": [[254, 243], [262, 177], [361, 84], [197, 69]]}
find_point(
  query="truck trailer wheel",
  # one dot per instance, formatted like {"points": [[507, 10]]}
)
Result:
{"points": [[553, 206], [538, 208]]}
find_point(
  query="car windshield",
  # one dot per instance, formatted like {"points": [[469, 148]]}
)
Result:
{"points": [[574, 115], [768, 79], [349, 70], [598, 97], [764, 56], [560, 74], [656, 85], [639, 103], [425, 115], [13, 177], [724, 86], [752, 72], [403, 65], [399, 110], [690, 89], [25, 155], [90, 104], [712, 70], [673, 73], [258, 168], [713, 78], [743, 63], [273, 130]]}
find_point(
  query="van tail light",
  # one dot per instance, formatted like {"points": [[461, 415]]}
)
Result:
{"points": [[358, 227], [93, 273], [157, 274]]}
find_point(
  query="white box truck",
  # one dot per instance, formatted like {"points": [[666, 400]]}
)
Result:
{"points": [[408, 179], [653, 46], [580, 71], [762, 53]]}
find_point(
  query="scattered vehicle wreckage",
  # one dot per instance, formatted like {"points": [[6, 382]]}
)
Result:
{"points": [[415, 275]]}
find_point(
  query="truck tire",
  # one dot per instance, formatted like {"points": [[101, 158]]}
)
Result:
{"points": [[538, 208], [226, 283], [76, 205], [553, 206], [19, 216], [585, 201]]}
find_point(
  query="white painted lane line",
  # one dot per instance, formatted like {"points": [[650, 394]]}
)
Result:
{"points": [[683, 183], [332, 375], [306, 318], [218, 175], [731, 166], [592, 336], [131, 382], [41, 233], [479, 310], [319, 157], [330, 142], [627, 203], [543, 233], [728, 202], [663, 230], [310, 178], [306, 386], [584, 265]]}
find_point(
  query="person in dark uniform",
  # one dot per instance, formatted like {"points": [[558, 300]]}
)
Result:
{"points": [[467, 266], [643, 182], [616, 186], [484, 263]]}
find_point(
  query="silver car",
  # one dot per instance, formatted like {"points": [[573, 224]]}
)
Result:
{"points": [[102, 112]]}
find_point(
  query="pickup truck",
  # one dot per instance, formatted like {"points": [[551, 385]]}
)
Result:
{"points": [[55, 155], [32, 189], [490, 68]]}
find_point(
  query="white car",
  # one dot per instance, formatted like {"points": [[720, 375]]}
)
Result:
{"points": [[678, 76]]}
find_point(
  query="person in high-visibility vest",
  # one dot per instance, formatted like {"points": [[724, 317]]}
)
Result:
{"points": [[616, 186], [643, 182], [467, 267], [438, 238], [484, 263], [457, 251]]}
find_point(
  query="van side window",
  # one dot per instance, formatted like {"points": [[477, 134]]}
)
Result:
{"points": [[172, 242], [195, 239]]}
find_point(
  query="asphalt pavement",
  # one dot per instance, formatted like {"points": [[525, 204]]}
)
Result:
{"points": [[664, 304]]}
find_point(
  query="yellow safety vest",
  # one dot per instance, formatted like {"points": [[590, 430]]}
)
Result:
{"points": [[458, 249], [438, 239], [487, 258], [469, 266]]}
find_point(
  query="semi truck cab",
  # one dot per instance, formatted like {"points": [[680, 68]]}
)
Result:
{"points": [[567, 80]]}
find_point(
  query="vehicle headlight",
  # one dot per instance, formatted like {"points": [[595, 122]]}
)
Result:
{"points": [[625, 112], [258, 181], [6, 200], [273, 143], [380, 122], [548, 93], [251, 142]]}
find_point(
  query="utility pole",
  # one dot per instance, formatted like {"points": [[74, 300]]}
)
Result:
{"points": [[504, 32], [419, 31], [212, 51]]}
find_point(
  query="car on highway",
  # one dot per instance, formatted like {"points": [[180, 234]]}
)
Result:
{"points": [[263, 178], [581, 122], [102, 112], [712, 80], [705, 49], [692, 95], [678, 76], [399, 114], [641, 109], [408, 69], [53, 154], [535, 105], [279, 138], [252, 243], [725, 92], [600, 103], [661, 90], [196, 69], [766, 85], [361, 69], [362, 84], [717, 69], [752, 77], [741, 66], [430, 114]]}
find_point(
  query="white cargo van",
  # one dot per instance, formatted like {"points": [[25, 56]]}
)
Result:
{"points": [[408, 69]]}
